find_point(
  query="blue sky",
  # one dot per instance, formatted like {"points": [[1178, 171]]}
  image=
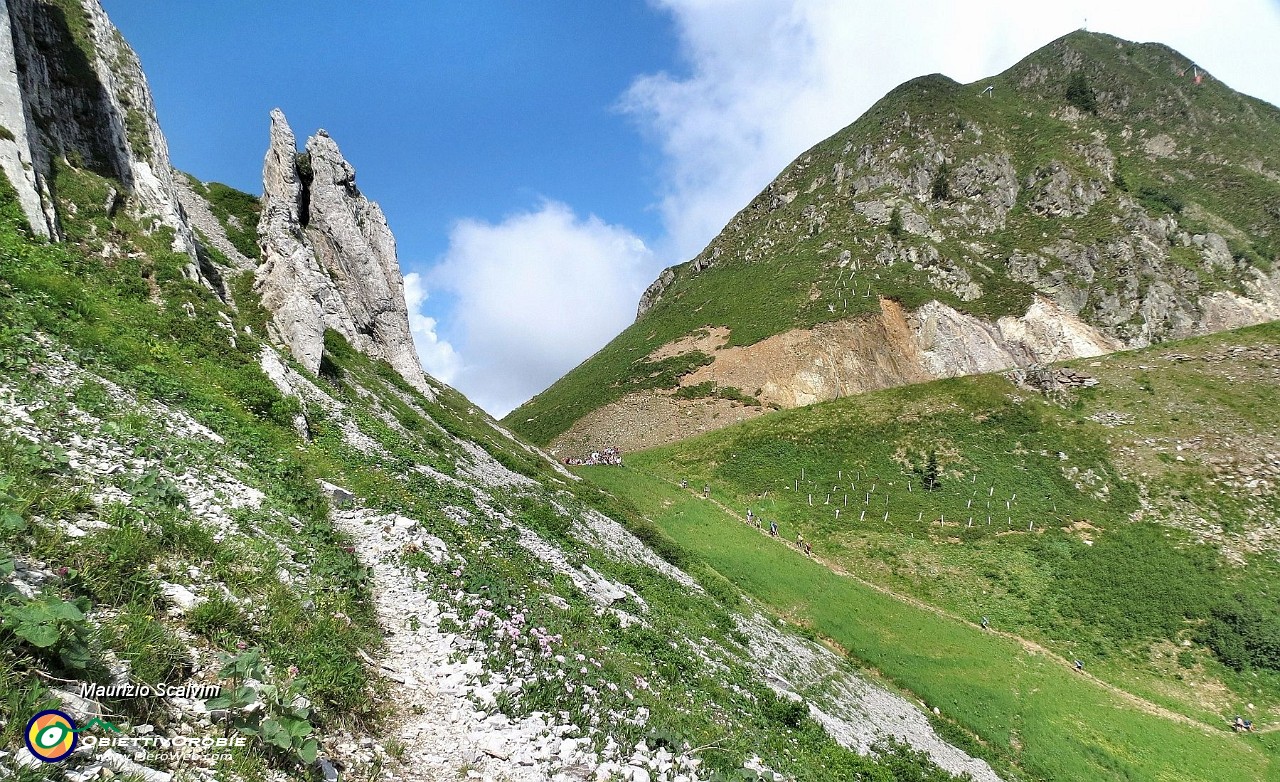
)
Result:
{"points": [[539, 163]]}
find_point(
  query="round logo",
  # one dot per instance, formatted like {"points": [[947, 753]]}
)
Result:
{"points": [[51, 735]]}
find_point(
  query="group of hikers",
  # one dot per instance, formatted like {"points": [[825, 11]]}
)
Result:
{"points": [[801, 543], [607, 455], [754, 520]]}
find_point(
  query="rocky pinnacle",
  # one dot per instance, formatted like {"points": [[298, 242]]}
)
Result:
{"points": [[329, 259]]}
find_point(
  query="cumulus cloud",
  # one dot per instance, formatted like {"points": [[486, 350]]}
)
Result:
{"points": [[536, 294], [437, 356], [766, 80]]}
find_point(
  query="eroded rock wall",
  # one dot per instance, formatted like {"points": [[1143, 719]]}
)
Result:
{"points": [[800, 367], [72, 93], [15, 141]]}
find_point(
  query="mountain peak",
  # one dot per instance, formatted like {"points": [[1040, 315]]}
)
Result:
{"points": [[1118, 182]]}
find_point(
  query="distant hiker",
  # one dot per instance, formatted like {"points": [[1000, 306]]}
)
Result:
{"points": [[706, 490], [1238, 724], [800, 541], [808, 548], [773, 528], [986, 623], [1079, 664], [750, 515], [684, 484]]}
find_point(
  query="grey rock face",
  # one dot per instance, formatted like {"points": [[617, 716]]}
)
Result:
{"points": [[15, 147], [81, 99], [654, 291], [329, 259]]}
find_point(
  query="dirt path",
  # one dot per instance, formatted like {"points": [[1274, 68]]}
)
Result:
{"points": [[440, 732], [1030, 646]]}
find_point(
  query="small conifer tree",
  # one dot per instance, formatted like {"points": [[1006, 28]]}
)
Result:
{"points": [[931, 471], [942, 183], [1080, 94]]}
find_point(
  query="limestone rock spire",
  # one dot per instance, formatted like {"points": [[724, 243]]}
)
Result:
{"points": [[328, 257]]}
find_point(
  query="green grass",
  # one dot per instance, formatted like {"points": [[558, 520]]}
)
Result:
{"points": [[1035, 712], [1063, 564], [236, 211], [104, 316]]}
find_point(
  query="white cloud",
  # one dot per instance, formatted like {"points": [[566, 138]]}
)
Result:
{"points": [[536, 294], [767, 80], [437, 356]]}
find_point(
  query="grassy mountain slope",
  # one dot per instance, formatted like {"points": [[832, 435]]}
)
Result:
{"points": [[1129, 525], [944, 192], [162, 521]]}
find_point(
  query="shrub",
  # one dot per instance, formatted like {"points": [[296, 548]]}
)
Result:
{"points": [[1244, 632], [302, 162], [784, 711], [1159, 200], [1080, 94], [1136, 583], [696, 391], [1119, 181]]}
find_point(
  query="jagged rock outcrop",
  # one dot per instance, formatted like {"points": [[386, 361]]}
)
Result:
{"points": [[655, 291], [328, 257], [799, 367], [72, 93]]}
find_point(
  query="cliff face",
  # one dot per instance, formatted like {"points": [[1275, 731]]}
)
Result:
{"points": [[77, 118], [328, 257], [73, 94]]}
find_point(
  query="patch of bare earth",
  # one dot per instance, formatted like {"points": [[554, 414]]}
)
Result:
{"points": [[706, 340], [647, 419]]}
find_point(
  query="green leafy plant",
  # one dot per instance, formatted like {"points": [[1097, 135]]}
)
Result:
{"points": [[52, 627], [10, 521], [155, 489], [283, 723]]}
